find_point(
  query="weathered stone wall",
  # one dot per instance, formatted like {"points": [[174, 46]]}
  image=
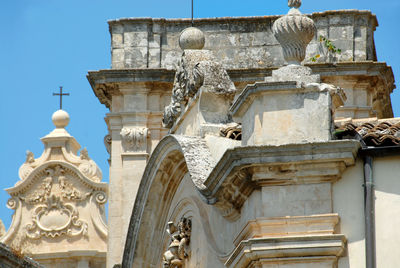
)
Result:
{"points": [[238, 42]]}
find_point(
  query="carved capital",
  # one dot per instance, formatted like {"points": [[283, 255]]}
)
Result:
{"points": [[134, 138]]}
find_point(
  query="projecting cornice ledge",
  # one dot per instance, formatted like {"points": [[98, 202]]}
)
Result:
{"points": [[319, 249], [243, 169], [105, 83]]}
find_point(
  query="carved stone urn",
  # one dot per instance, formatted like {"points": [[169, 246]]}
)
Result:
{"points": [[294, 32]]}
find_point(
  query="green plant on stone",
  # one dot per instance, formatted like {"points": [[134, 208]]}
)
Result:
{"points": [[329, 45]]}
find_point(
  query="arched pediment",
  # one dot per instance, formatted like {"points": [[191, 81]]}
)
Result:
{"points": [[173, 158], [35, 175], [56, 203]]}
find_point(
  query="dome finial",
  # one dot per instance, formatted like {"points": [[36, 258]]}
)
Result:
{"points": [[60, 119], [191, 38]]}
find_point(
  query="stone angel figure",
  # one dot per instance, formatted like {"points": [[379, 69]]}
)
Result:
{"points": [[178, 248]]}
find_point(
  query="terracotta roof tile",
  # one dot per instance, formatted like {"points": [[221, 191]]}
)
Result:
{"points": [[377, 133]]}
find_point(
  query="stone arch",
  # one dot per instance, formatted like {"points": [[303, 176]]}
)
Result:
{"points": [[173, 158]]}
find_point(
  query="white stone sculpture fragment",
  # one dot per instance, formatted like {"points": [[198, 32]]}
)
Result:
{"points": [[197, 68], [180, 239], [134, 138]]}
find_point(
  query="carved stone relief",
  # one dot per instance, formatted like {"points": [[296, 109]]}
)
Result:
{"points": [[134, 138], [55, 218], [197, 68], [55, 212], [85, 164], [178, 248]]}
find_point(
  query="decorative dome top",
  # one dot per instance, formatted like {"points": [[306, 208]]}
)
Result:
{"points": [[60, 118], [294, 32], [191, 38]]}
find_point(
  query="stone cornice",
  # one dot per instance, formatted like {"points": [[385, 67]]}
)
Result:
{"points": [[130, 75], [105, 82], [343, 150], [187, 21], [364, 68], [253, 250], [233, 179]]}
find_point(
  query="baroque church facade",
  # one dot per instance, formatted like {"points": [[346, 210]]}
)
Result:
{"points": [[241, 142]]}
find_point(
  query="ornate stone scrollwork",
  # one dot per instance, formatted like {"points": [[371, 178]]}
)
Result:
{"points": [[134, 138], [12, 203], [44, 190], [180, 239], [100, 197], [54, 218]]}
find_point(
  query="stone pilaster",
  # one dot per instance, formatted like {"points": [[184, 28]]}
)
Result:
{"points": [[134, 123]]}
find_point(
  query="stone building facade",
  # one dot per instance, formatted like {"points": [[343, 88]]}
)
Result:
{"points": [[243, 142], [251, 159]]}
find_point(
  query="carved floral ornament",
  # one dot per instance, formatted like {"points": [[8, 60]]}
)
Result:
{"points": [[178, 248], [134, 138], [54, 203]]}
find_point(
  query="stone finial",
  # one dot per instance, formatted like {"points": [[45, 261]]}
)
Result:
{"points": [[294, 32], [191, 38], [60, 118], [294, 3]]}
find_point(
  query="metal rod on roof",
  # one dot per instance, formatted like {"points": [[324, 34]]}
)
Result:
{"points": [[192, 13]]}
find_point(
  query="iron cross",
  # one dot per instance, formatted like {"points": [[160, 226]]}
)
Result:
{"points": [[61, 94]]}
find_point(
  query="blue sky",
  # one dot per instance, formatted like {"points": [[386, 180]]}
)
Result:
{"points": [[49, 43]]}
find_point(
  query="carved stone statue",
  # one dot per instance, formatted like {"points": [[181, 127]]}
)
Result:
{"points": [[180, 239], [196, 69]]}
